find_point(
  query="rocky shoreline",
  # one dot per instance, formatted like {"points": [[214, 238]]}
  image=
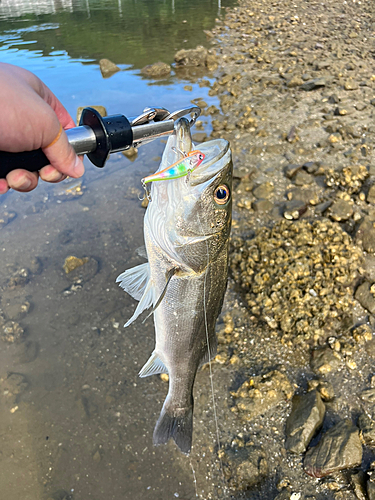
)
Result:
{"points": [[296, 83]]}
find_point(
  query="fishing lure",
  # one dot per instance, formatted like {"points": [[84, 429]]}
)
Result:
{"points": [[178, 169]]}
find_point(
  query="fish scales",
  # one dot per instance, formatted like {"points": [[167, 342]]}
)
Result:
{"points": [[186, 230]]}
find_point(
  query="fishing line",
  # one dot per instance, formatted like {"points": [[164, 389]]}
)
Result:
{"points": [[195, 478], [210, 365]]}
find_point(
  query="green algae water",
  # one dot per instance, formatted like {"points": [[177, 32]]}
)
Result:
{"points": [[76, 422]]}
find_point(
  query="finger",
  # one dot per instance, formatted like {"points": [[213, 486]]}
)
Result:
{"points": [[63, 157], [50, 174], [3, 186], [22, 180]]}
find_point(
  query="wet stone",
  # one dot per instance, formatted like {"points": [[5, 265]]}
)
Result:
{"points": [[81, 270], [324, 388], [12, 332], [305, 419], [27, 352], [367, 427], [340, 448], [15, 312], [368, 240], [20, 277], [371, 194], [358, 483], [302, 178], [156, 70], [294, 209], [131, 153], [199, 137], [370, 486], [291, 170], [313, 84], [325, 360], [263, 191], [340, 210], [245, 466], [365, 297], [262, 206], [191, 57], [108, 68], [12, 386], [258, 395]]}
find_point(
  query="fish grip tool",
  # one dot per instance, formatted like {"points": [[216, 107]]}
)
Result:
{"points": [[98, 136]]}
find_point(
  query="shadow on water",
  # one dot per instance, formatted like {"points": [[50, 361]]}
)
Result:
{"points": [[75, 419]]}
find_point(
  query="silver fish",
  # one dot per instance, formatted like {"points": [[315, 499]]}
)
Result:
{"points": [[186, 229]]}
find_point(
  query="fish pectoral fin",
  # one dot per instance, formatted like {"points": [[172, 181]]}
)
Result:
{"points": [[142, 252], [135, 280], [168, 276], [154, 366], [144, 303]]}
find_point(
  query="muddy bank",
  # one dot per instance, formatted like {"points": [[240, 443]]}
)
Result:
{"points": [[296, 83]]}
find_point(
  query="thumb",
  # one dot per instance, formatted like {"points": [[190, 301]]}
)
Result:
{"points": [[63, 157]]}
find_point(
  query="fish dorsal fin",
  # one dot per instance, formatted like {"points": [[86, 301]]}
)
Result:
{"points": [[168, 277], [134, 281], [154, 366], [144, 303]]}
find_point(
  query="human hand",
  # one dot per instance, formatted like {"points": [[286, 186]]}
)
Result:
{"points": [[31, 118]]}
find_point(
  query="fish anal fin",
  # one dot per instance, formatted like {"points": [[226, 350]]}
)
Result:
{"points": [[154, 366]]}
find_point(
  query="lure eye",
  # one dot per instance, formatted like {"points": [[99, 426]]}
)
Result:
{"points": [[201, 157], [221, 194]]}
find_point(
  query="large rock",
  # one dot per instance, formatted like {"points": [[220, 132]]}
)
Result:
{"points": [[108, 68], [156, 70], [191, 57], [365, 297], [305, 419], [340, 448]]}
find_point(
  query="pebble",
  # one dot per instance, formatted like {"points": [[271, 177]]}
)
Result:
{"points": [[367, 427], [100, 109], [325, 360], [339, 448], [324, 388], [365, 297], [341, 210], [305, 419], [12, 332]]}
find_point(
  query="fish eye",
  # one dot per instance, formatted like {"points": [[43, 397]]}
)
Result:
{"points": [[221, 194]]}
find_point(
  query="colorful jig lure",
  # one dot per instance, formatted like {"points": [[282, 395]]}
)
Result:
{"points": [[178, 169]]}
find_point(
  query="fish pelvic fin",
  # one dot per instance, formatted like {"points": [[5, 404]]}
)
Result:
{"points": [[144, 303], [176, 424], [134, 281], [154, 366]]}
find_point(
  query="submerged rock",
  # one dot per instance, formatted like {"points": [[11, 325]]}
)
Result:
{"points": [[100, 109], [305, 419], [12, 332], [340, 448], [244, 467]]}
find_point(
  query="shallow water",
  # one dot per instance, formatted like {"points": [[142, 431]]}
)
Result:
{"points": [[74, 417]]}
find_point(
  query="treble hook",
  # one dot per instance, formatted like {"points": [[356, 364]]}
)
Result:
{"points": [[177, 150], [147, 192]]}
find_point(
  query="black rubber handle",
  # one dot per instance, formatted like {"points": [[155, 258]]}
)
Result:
{"points": [[112, 133], [29, 160]]}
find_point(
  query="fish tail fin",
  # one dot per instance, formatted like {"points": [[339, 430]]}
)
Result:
{"points": [[176, 424]]}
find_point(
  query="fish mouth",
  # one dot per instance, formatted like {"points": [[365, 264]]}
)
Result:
{"points": [[217, 156]]}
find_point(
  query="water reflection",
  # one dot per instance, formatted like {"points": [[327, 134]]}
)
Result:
{"points": [[97, 28], [75, 420]]}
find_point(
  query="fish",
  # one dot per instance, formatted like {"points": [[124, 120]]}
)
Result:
{"points": [[186, 229]]}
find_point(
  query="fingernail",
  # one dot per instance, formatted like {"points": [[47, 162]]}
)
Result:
{"points": [[25, 185], [78, 167]]}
